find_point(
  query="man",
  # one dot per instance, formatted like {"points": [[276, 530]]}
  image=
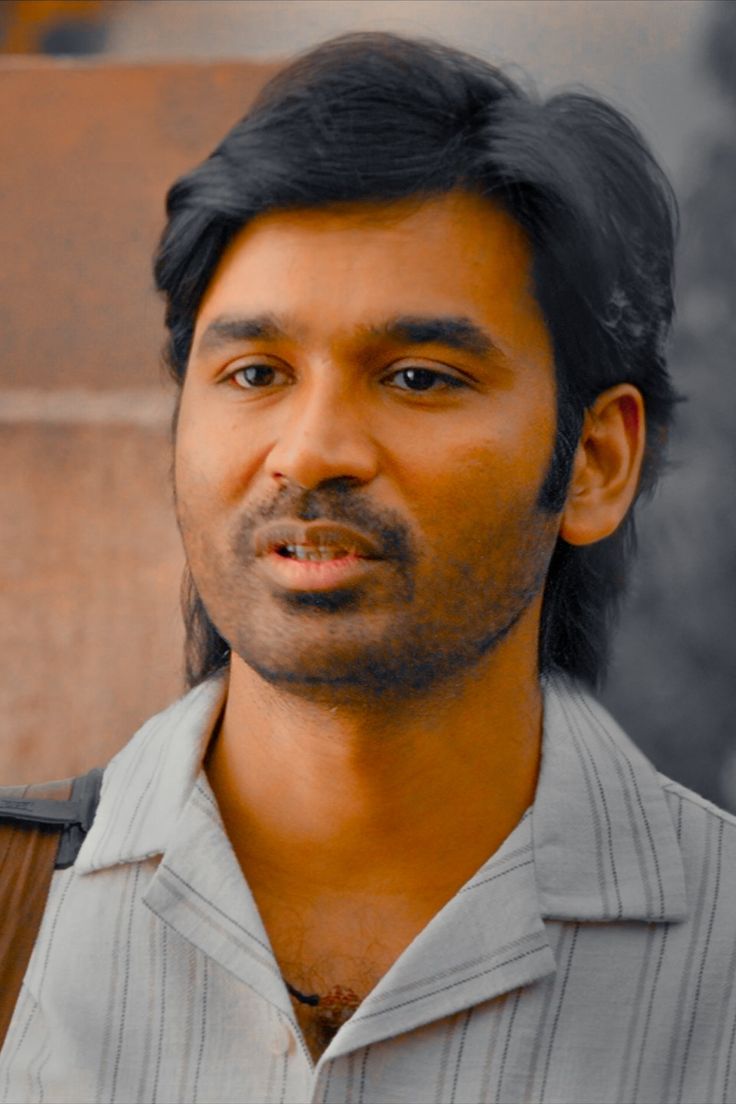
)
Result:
{"points": [[388, 848]]}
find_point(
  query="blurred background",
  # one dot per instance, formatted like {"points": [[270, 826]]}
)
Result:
{"points": [[104, 102]]}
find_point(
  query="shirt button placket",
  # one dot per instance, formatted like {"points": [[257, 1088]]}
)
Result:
{"points": [[327, 1084]]}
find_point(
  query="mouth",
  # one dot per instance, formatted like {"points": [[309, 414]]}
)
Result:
{"points": [[315, 541], [315, 555], [311, 553]]}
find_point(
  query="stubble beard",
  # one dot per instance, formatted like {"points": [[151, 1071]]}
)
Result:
{"points": [[327, 647]]}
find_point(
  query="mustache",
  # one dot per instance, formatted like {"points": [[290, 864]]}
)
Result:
{"points": [[337, 503]]}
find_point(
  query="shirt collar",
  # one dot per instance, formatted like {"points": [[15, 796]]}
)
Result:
{"points": [[146, 785], [604, 843], [605, 846]]}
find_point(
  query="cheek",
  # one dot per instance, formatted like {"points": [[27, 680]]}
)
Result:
{"points": [[210, 459], [485, 478], [477, 503], [191, 477], [200, 481]]}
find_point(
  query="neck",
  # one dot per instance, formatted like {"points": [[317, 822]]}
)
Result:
{"points": [[379, 796]]}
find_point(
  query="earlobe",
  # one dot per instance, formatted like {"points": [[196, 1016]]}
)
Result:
{"points": [[606, 467]]}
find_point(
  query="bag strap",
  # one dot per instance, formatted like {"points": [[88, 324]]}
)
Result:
{"points": [[42, 828]]}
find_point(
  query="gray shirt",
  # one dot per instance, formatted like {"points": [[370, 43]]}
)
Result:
{"points": [[590, 959]]}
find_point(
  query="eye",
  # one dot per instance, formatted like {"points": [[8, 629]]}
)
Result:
{"points": [[253, 376], [424, 379]]}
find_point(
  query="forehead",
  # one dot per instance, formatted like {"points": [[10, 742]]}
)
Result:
{"points": [[355, 265]]}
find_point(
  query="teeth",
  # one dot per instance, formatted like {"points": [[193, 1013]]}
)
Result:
{"points": [[311, 552]]}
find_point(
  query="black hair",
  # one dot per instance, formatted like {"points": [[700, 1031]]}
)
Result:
{"points": [[378, 117]]}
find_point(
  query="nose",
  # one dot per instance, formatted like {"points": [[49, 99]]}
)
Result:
{"points": [[324, 436]]}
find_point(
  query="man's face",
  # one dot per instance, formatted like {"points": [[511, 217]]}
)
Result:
{"points": [[366, 422]]}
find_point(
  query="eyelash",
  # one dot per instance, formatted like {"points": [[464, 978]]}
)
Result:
{"points": [[245, 368], [449, 382]]}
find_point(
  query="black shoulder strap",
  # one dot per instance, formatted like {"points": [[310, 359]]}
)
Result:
{"points": [[31, 819], [72, 816]]}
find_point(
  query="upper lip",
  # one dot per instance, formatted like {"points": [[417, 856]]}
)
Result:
{"points": [[315, 534]]}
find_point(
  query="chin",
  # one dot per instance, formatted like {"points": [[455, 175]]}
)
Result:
{"points": [[335, 675]]}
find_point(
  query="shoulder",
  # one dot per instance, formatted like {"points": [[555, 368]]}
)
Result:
{"points": [[707, 840], [693, 811]]}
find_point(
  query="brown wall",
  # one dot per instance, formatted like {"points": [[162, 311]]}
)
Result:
{"points": [[90, 632]]}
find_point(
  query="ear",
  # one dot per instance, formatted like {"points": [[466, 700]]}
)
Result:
{"points": [[606, 468]]}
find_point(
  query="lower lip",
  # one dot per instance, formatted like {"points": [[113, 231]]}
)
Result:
{"points": [[316, 574]]}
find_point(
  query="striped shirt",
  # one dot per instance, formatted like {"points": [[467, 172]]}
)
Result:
{"points": [[590, 959]]}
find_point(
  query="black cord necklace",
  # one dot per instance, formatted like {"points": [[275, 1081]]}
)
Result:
{"points": [[331, 1011], [334, 1008], [311, 999]]}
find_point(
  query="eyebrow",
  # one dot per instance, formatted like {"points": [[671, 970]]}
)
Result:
{"points": [[454, 332], [229, 330], [449, 330]]}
